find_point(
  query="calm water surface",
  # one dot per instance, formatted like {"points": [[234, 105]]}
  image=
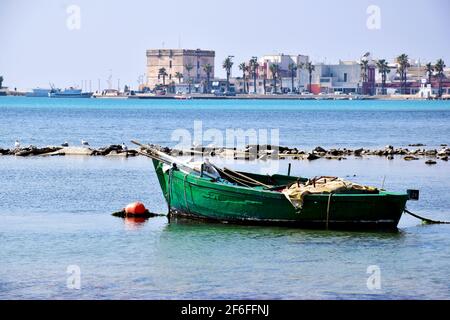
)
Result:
{"points": [[55, 212]]}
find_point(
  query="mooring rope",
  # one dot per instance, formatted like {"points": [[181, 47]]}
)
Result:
{"points": [[426, 220], [328, 209], [169, 190]]}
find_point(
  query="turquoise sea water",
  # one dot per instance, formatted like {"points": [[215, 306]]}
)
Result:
{"points": [[55, 212], [301, 123]]}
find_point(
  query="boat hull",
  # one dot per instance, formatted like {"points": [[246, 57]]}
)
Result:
{"points": [[72, 96], [199, 198]]}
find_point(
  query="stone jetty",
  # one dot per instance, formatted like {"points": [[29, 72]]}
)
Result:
{"points": [[112, 150], [250, 152]]}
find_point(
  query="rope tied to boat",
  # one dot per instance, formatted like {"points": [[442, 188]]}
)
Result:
{"points": [[328, 209], [169, 190], [425, 220]]}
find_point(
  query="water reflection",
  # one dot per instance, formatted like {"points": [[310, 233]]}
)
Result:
{"points": [[201, 228], [134, 223]]}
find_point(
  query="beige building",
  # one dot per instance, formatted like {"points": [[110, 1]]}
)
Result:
{"points": [[176, 60]]}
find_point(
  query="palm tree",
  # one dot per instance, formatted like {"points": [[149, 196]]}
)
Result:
{"points": [[293, 69], [274, 69], [310, 68], [300, 66], [1, 81], [243, 67], [227, 65], [179, 76], [439, 68], [384, 69], [162, 73], [189, 67], [254, 68], [264, 80], [281, 81], [403, 65], [208, 69], [364, 66], [430, 68]]}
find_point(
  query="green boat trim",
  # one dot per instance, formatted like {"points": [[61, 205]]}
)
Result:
{"points": [[200, 197]]}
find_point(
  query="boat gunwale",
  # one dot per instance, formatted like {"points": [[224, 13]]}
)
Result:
{"points": [[204, 182]]}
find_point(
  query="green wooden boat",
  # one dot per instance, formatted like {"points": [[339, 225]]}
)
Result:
{"points": [[193, 195]]}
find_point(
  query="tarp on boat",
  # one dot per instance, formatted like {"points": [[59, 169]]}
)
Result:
{"points": [[323, 185]]}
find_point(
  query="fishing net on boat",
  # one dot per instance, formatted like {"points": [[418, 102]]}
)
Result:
{"points": [[324, 185]]}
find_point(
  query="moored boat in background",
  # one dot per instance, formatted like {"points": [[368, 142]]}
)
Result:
{"points": [[69, 93], [109, 94], [183, 97]]}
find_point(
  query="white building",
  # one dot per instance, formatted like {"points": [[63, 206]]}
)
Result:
{"points": [[343, 77]]}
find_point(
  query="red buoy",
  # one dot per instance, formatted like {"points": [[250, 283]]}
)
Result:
{"points": [[136, 208]]}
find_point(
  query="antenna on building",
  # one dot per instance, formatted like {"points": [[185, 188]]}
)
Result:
{"points": [[163, 44]]}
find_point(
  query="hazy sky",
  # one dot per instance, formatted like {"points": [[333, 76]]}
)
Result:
{"points": [[37, 47]]}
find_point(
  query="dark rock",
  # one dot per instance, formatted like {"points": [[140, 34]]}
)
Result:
{"points": [[166, 150], [265, 147], [312, 156], [409, 158], [416, 145], [34, 151], [430, 162], [431, 152], [319, 149], [335, 152], [107, 150], [444, 158]]}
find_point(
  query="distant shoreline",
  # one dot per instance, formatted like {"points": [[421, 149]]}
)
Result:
{"points": [[196, 96]]}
